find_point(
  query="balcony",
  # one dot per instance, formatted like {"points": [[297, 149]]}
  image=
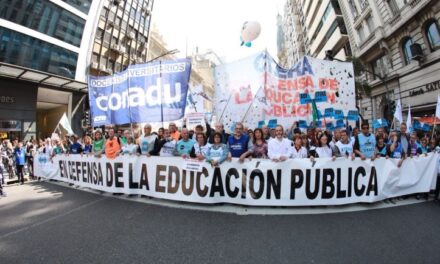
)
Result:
{"points": [[94, 65], [130, 35], [117, 49]]}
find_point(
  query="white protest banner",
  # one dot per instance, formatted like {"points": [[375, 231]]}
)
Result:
{"points": [[258, 182], [194, 119], [192, 165], [256, 88]]}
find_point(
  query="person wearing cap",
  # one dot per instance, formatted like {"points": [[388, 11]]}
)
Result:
{"points": [[365, 143], [147, 142], [75, 147], [112, 145], [174, 133], [98, 144]]}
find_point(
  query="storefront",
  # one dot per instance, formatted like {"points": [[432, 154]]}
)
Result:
{"points": [[32, 103]]}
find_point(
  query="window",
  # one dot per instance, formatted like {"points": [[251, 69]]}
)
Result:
{"points": [[433, 36], [361, 33], [378, 67], [370, 24], [406, 50], [45, 17], [26, 51], [82, 5], [396, 5], [353, 9]]}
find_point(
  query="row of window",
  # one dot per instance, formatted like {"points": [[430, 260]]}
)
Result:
{"points": [[45, 17], [26, 51], [431, 32]]}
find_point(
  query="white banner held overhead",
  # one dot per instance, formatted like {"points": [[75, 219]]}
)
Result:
{"points": [[257, 182]]}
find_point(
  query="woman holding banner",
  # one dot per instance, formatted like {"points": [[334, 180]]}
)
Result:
{"points": [[217, 152], [200, 148], [323, 150], [299, 151], [259, 150]]}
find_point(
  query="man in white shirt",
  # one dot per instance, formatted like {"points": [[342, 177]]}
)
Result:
{"points": [[344, 145], [279, 148]]}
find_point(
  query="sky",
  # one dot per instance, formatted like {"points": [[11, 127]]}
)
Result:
{"points": [[216, 25]]}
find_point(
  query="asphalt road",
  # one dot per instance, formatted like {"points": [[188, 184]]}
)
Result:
{"points": [[47, 223]]}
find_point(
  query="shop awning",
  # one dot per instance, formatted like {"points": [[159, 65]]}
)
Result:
{"points": [[428, 120], [42, 78]]}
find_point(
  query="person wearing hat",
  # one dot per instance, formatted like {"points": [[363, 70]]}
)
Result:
{"points": [[365, 143]]}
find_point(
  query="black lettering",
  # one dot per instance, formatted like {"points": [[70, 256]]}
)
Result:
{"points": [[359, 172], [78, 170], [328, 186], [372, 183], [61, 165], [144, 178], [160, 178], [83, 171], [217, 184], [109, 175], [202, 192], [90, 171], [118, 175], [173, 170], [131, 184], [231, 173], [350, 182], [274, 185], [309, 193], [187, 190], [243, 183], [100, 177], [296, 181], [256, 174], [339, 192]]}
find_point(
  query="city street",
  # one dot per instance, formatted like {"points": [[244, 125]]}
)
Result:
{"points": [[48, 223]]}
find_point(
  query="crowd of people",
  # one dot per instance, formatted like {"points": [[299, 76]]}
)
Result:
{"points": [[215, 146]]}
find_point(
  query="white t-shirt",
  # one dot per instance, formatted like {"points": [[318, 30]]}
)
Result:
{"points": [[167, 149], [324, 152], [147, 143], [299, 154], [201, 149], [278, 148], [345, 148], [129, 149]]}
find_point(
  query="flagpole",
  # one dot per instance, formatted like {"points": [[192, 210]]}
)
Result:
{"points": [[433, 127]]}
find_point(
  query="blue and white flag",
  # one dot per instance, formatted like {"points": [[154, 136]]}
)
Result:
{"points": [[151, 92]]}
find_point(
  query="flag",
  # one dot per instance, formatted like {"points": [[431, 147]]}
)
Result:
{"points": [[314, 112], [408, 121], [398, 112], [64, 122], [437, 109]]}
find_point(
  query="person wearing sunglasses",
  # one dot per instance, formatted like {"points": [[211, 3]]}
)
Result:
{"points": [[365, 144]]}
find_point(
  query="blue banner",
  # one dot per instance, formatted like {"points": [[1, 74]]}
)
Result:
{"points": [[340, 123], [272, 123], [353, 115], [303, 124], [320, 97], [151, 92], [330, 126], [329, 112], [378, 123], [304, 98], [261, 124], [338, 114]]}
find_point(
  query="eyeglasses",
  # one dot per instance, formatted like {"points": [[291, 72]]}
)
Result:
{"points": [[365, 127]]}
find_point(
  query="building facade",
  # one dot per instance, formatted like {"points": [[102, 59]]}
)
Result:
{"points": [[121, 36], [314, 28], [49, 47], [202, 66], [398, 42]]}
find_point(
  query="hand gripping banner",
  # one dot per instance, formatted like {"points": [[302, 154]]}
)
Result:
{"points": [[295, 182], [151, 92]]}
